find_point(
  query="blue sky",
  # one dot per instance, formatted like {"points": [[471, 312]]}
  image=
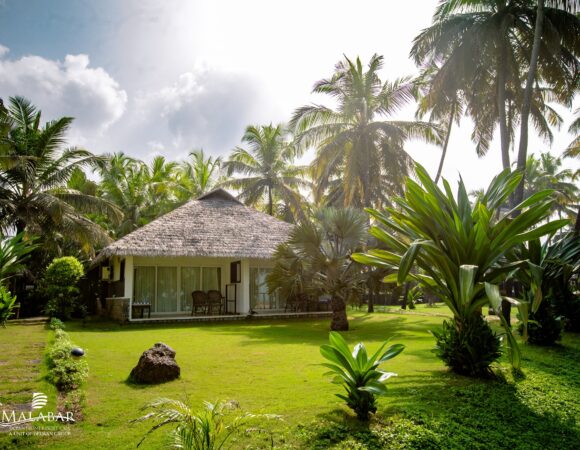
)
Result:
{"points": [[164, 77]]}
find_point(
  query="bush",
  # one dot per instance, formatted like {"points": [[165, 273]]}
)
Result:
{"points": [[65, 371], [544, 327], [59, 286], [358, 373], [56, 324], [468, 347], [7, 304]]}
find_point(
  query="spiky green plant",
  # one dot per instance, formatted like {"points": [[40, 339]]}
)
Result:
{"points": [[357, 373], [460, 247]]}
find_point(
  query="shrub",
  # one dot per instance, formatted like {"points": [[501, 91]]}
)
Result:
{"points": [[7, 304], [358, 373], [56, 324], [65, 371], [468, 347], [544, 327], [59, 286]]}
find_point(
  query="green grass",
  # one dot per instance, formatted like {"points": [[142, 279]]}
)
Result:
{"points": [[271, 367]]}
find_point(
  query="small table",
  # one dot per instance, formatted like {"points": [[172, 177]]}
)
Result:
{"points": [[141, 307]]}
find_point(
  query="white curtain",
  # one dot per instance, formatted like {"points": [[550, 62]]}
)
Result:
{"points": [[260, 298], [190, 281], [144, 285], [211, 279], [166, 289]]}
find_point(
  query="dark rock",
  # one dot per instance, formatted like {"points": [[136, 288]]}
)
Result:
{"points": [[156, 365]]}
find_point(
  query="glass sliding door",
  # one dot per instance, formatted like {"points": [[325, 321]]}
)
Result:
{"points": [[144, 285], [190, 281], [166, 289], [260, 298]]}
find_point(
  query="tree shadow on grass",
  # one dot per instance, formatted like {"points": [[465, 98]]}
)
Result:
{"points": [[445, 411]]}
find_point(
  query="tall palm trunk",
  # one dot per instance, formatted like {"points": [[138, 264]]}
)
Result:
{"points": [[501, 99], [446, 143], [527, 102], [270, 201]]}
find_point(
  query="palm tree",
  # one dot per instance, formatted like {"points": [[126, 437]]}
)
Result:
{"points": [[551, 53], [443, 104], [316, 260], [545, 173], [34, 171], [124, 182], [484, 46], [197, 175], [269, 174], [360, 156]]}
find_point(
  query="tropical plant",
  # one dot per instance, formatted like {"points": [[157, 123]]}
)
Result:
{"points": [[209, 429], [13, 253], [269, 175], [34, 170], [546, 172], [65, 371], [360, 157], [7, 305], [124, 183], [59, 286], [459, 248], [197, 175], [483, 47], [358, 373], [546, 29], [443, 104], [316, 260], [413, 296]]}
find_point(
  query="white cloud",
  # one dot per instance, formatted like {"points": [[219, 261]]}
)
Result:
{"points": [[65, 88]]}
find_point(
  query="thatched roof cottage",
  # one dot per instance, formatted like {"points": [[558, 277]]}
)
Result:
{"points": [[214, 243]]}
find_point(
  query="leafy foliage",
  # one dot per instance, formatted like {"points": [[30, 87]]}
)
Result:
{"points": [[358, 373], [13, 253], [468, 348], [59, 286], [65, 371], [316, 260], [458, 246], [7, 304], [209, 429]]}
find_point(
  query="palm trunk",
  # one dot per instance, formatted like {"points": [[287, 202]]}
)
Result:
{"points": [[270, 202], [339, 319], [527, 102], [501, 98], [371, 303], [446, 143]]}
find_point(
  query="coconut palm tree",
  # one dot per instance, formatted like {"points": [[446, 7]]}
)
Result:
{"points": [[546, 172], [486, 45], [443, 104], [197, 175], [360, 156], [34, 171], [267, 170], [124, 182], [552, 47], [316, 260]]}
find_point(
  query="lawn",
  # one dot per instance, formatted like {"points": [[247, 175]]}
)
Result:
{"points": [[271, 367]]}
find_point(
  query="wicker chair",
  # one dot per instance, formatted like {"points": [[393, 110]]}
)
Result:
{"points": [[214, 302], [200, 302]]}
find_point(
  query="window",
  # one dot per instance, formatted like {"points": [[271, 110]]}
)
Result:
{"points": [[260, 298], [168, 289]]}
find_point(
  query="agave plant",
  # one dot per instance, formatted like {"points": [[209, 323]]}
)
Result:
{"points": [[209, 429], [358, 373], [461, 249]]}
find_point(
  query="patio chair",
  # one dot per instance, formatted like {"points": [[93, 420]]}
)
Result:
{"points": [[200, 302], [214, 302]]}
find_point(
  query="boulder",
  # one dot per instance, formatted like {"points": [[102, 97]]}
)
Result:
{"points": [[156, 365]]}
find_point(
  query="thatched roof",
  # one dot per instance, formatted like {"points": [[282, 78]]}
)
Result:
{"points": [[215, 225]]}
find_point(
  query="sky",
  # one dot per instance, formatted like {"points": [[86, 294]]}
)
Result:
{"points": [[149, 77]]}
